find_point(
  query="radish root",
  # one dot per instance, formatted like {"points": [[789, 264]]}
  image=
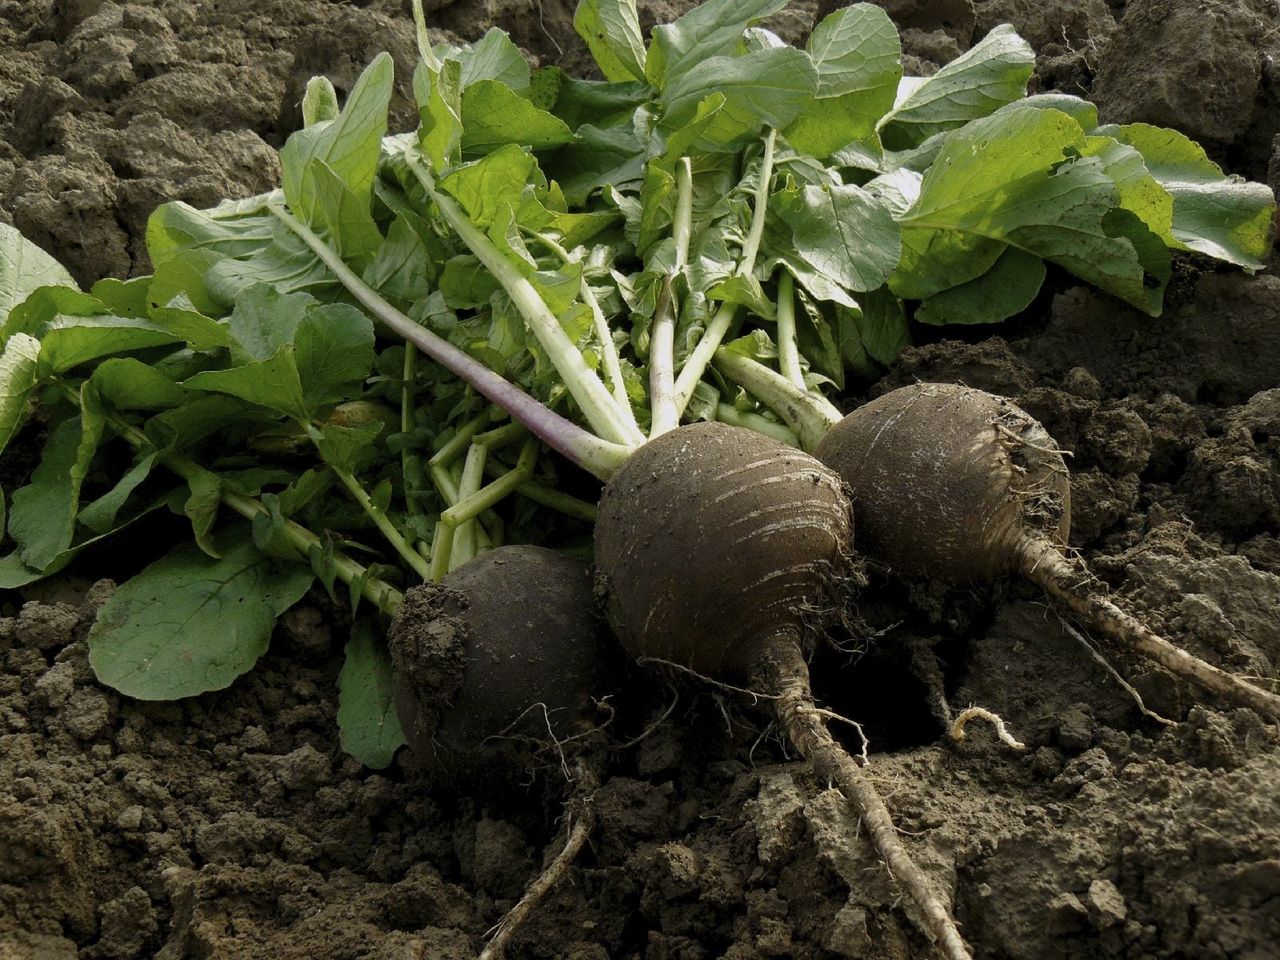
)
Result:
{"points": [[1044, 565], [581, 819], [982, 713], [781, 667]]}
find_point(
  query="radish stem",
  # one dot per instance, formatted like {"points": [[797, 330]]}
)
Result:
{"points": [[809, 414], [388, 529], [662, 340], [788, 348], [600, 457], [696, 365], [580, 380], [608, 349]]}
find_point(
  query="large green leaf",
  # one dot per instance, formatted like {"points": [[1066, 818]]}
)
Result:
{"points": [[293, 354], [368, 727], [189, 623], [711, 29], [494, 115], [858, 56], [762, 88], [42, 514], [68, 342], [1223, 217], [350, 145], [992, 73], [24, 267], [611, 29], [1006, 180], [842, 233], [19, 375], [1003, 291]]}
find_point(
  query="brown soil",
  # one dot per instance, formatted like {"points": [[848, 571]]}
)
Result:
{"points": [[232, 825]]}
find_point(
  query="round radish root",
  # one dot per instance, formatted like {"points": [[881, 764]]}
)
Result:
{"points": [[946, 481], [952, 483], [498, 659], [719, 550], [713, 540]]}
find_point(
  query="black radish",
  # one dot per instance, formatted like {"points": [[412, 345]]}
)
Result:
{"points": [[499, 668], [955, 484], [722, 551]]}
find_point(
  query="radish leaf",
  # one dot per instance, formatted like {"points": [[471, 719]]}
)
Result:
{"points": [[189, 623]]}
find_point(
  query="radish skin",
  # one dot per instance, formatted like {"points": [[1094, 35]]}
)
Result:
{"points": [[720, 550], [956, 484]]}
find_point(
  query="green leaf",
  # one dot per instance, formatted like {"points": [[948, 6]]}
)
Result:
{"points": [[711, 29], [201, 508], [24, 268], [763, 88], [44, 305], [402, 270], [841, 232], [124, 298], [611, 29], [100, 515], [181, 319], [347, 448], [1139, 192], [129, 384], [345, 217], [883, 326], [368, 727], [334, 353], [493, 57], [992, 73], [1003, 291], [1005, 180], [487, 187], [271, 383], [858, 57], [493, 115], [319, 102], [42, 514], [595, 101], [19, 375], [67, 342], [350, 145], [439, 96], [1223, 217], [188, 623]]}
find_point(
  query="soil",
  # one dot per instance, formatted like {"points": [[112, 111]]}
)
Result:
{"points": [[232, 825]]}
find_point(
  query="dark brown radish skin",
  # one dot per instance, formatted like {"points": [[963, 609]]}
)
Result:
{"points": [[952, 483], [500, 660], [504, 653], [720, 550]]}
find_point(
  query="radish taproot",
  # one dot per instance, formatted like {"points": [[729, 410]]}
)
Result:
{"points": [[956, 484], [722, 551], [499, 668]]}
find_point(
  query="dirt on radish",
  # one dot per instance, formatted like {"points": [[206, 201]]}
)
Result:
{"points": [[232, 825]]}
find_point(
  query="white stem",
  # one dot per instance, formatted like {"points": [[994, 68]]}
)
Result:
{"points": [[595, 454], [808, 414], [788, 347], [581, 381], [696, 365]]}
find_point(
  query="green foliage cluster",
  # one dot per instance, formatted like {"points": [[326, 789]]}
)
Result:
{"points": [[722, 211]]}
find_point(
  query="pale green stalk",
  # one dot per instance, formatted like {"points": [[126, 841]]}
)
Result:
{"points": [[600, 409], [393, 536], [608, 349], [662, 338], [731, 415], [811, 416], [788, 347], [696, 364], [599, 456], [464, 538]]}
